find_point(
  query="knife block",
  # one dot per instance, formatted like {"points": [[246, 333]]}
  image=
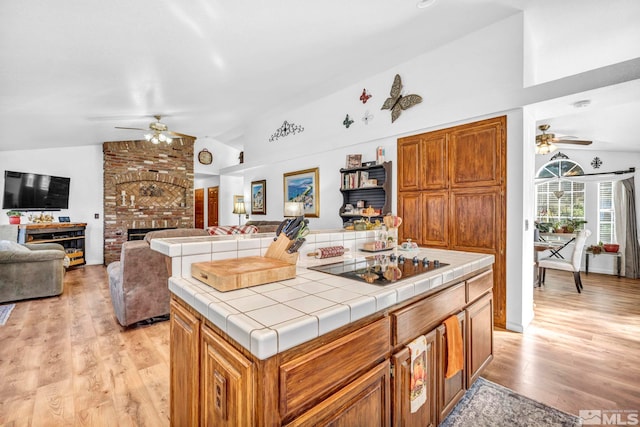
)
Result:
{"points": [[278, 250]]}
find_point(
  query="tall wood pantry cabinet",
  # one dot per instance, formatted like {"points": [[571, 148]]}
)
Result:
{"points": [[451, 193]]}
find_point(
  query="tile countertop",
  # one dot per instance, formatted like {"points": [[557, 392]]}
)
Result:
{"points": [[268, 319]]}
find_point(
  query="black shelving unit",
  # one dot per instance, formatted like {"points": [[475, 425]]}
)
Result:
{"points": [[354, 188]]}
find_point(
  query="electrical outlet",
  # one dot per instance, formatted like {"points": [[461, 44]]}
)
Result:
{"points": [[96, 216]]}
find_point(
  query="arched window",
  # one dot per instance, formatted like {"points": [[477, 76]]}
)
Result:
{"points": [[559, 200]]}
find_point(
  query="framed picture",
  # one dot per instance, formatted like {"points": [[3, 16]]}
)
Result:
{"points": [[302, 186], [354, 161], [259, 197]]}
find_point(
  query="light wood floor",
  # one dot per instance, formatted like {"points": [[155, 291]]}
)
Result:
{"points": [[65, 360], [582, 351]]}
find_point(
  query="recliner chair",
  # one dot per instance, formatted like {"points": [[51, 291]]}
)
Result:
{"points": [[139, 282]]}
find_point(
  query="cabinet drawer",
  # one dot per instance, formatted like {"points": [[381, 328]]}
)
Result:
{"points": [[314, 375], [422, 316], [476, 286]]}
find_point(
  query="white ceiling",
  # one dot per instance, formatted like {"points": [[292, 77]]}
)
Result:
{"points": [[72, 70]]}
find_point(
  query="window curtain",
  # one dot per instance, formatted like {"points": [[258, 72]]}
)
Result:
{"points": [[632, 248], [620, 207]]}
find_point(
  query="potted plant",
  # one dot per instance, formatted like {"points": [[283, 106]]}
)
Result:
{"points": [[14, 217], [574, 224]]}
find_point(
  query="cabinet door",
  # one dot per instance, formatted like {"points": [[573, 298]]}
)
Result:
{"points": [[400, 388], [450, 390], [410, 210], [363, 402], [479, 318], [409, 163], [433, 161], [227, 384], [184, 366], [435, 222], [476, 216], [477, 154]]}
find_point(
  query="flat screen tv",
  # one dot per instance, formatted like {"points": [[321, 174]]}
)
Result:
{"points": [[34, 192]]}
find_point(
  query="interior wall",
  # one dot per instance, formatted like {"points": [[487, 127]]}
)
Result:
{"points": [[595, 35], [84, 166]]}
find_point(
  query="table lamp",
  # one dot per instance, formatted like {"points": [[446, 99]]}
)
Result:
{"points": [[238, 208], [292, 209]]}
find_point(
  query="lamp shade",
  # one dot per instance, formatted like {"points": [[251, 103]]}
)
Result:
{"points": [[238, 208], [293, 208]]}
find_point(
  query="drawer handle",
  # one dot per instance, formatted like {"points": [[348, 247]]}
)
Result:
{"points": [[204, 276]]}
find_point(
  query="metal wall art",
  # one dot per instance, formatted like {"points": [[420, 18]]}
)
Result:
{"points": [[365, 96], [367, 117], [285, 130], [596, 162], [347, 122], [559, 155], [398, 102]]}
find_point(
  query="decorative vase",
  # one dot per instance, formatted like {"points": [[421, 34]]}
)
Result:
{"points": [[14, 220]]}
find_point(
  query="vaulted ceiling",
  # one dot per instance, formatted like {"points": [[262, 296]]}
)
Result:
{"points": [[71, 71]]}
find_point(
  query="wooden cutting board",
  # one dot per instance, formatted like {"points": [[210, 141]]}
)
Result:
{"points": [[231, 274]]}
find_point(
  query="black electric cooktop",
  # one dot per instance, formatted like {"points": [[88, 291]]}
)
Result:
{"points": [[380, 269]]}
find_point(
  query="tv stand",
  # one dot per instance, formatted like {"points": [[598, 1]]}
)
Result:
{"points": [[71, 235]]}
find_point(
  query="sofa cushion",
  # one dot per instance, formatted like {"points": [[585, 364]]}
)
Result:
{"points": [[7, 245], [232, 229]]}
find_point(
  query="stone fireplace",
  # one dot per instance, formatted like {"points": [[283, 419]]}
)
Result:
{"points": [[146, 186]]}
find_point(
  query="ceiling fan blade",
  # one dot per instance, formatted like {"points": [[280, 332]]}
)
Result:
{"points": [[574, 141], [180, 135], [120, 127]]}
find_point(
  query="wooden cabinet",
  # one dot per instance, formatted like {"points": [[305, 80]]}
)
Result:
{"points": [[226, 384], [363, 402], [423, 162], [184, 366], [356, 375], [477, 154], [356, 186], [451, 193], [71, 235], [426, 415], [479, 320], [450, 390]]}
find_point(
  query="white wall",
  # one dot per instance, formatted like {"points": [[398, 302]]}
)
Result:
{"points": [[593, 34], [84, 166]]}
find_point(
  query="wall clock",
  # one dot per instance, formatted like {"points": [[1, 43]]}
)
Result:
{"points": [[205, 157]]}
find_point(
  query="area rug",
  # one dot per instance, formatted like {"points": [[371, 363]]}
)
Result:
{"points": [[492, 405], [5, 312]]}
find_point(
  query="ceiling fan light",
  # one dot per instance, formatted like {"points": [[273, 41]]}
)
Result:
{"points": [[162, 137], [169, 140], [148, 136], [545, 148]]}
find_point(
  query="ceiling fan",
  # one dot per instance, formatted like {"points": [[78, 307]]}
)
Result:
{"points": [[159, 132], [545, 142]]}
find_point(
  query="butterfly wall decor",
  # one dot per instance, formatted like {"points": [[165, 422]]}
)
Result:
{"points": [[398, 102], [347, 121], [365, 96], [367, 117]]}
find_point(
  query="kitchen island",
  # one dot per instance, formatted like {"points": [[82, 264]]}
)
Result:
{"points": [[320, 348]]}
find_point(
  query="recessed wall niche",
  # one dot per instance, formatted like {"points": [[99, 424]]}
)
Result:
{"points": [[146, 186]]}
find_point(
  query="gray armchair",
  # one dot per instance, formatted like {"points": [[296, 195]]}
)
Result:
{"points": [[31, 270], [139, 282]]}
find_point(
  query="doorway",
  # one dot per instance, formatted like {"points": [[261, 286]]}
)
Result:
{"points": [[212, 206], [198, 208]]}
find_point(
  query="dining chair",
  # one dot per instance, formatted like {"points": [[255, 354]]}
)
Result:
{"points": [[572, 264]]}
